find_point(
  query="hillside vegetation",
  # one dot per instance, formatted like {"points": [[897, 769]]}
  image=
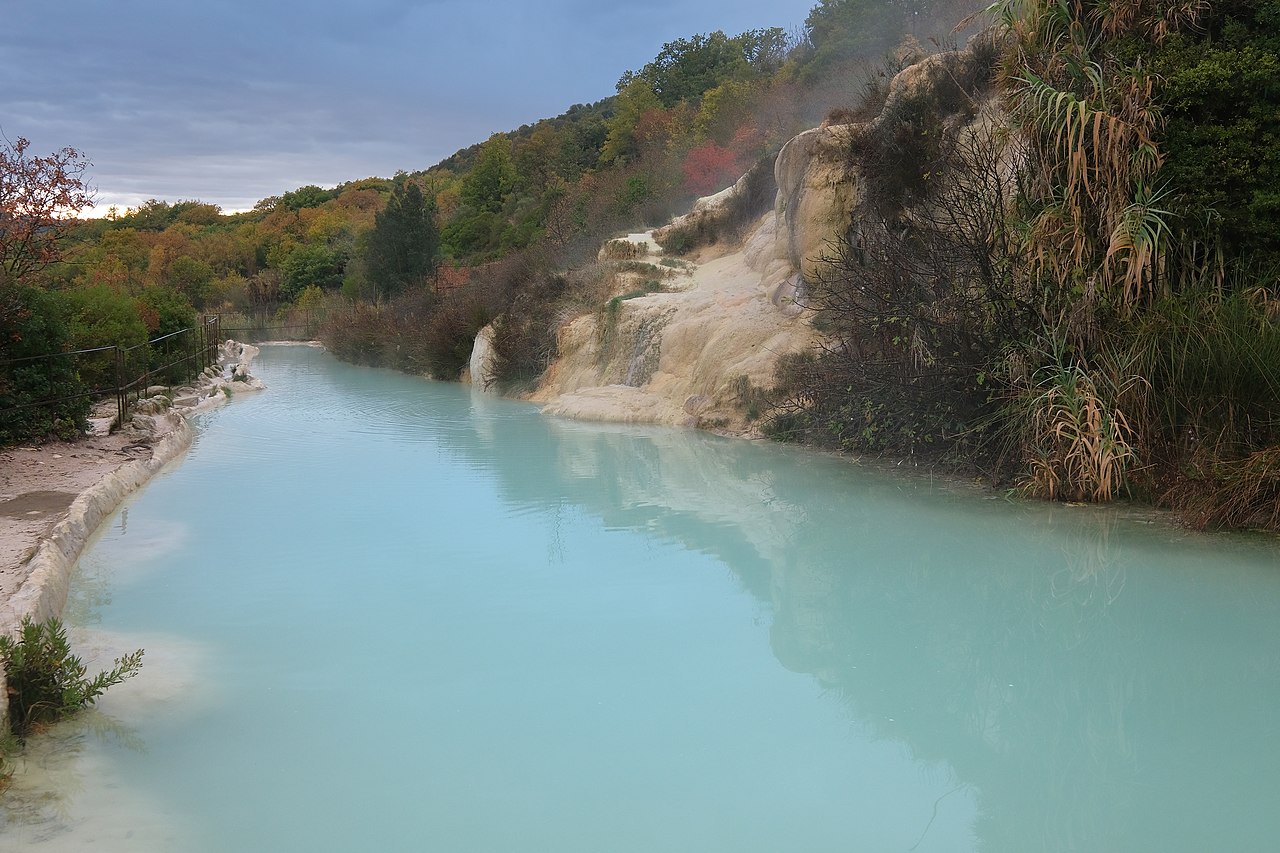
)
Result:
{"points": [[1061, 265], [1059, 269]]}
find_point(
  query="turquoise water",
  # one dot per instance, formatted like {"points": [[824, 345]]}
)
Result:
{"points": [[384, 614]]}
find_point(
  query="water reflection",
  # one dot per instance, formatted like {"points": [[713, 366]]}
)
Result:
{"points": [[1075, 680], [1099, 684]]}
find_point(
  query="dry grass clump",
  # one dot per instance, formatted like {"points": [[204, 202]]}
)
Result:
{"points": [[620, 250], [1243, 494], [1079, 446]]}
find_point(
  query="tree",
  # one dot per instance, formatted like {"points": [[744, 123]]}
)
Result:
{"points": [[308, 196], [492, 178], [307, 265], [192, 277], [685, 68], [39, 199], [35, 366], [839, 30], [404, 246], [634, 101], [708, 168]]}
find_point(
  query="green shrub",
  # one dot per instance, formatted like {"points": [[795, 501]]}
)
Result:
{"points": [[167, 311], [1212, 367], [99, 317], [46, 681], [31, 324], [1217, 92]]}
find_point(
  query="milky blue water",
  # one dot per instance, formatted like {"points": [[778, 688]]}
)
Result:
{"points": [[384, 614]]}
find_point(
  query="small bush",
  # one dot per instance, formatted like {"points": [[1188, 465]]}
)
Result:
{"points": [[678, 241], [754, 197], [1236, 495], [98, 317], [355, 333], [524, 340], [839, 115], [34, 367], [753, 400], [620, 250], [1079, 444], [463, 312], [641, 267], [46, 681], [703, 230]]}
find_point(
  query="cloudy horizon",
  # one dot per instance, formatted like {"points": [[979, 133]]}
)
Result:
{"points": [[234, 102]]}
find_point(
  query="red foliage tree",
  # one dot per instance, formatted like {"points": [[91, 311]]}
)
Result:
{"points": [[39, 199], [708, 168]]}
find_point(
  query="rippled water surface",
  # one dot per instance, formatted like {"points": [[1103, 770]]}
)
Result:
{"points": [[384, 614]]}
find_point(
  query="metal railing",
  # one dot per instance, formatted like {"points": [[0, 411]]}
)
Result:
{"points": [[119, 372]]}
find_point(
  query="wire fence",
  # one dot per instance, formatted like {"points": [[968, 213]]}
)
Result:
{"points": [[106, 372], [294, 324]]}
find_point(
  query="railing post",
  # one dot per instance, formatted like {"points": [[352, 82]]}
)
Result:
{"points": [[122, 404]]}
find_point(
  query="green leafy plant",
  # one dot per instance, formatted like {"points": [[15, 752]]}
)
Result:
{"points": [[46, 681]]}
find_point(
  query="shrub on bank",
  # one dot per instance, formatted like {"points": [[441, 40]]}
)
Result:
{"points": [[47, 682]]}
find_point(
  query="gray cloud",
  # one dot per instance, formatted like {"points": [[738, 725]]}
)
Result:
{"points": [[234, 101]]}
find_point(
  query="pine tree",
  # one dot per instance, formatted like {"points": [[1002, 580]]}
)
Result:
{"points": [[404, 246]]}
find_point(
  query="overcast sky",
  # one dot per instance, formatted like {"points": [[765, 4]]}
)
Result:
{"points": [[231, 101]]}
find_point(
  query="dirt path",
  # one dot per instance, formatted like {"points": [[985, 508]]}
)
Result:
{"points": [[37, 486]]}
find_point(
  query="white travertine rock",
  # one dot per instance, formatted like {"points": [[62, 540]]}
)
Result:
{"points": [[482, 366], [642, 361]]}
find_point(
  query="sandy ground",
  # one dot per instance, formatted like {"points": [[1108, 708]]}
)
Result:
{"points": [[38, 484]]}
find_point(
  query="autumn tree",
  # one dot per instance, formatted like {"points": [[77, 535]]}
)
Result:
{"points": [[492, 178], [708, 168], [39, 200], [635, 100], [191, 277]]}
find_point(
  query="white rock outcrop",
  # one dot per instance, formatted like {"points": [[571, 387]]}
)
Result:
{"points": [[684, 357]]}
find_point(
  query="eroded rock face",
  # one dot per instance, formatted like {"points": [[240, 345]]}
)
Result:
{"points": [[690, 357], [684, 357], [817, 192]]}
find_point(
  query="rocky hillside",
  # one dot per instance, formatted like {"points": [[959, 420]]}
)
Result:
{"points": [[694, 341]]}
